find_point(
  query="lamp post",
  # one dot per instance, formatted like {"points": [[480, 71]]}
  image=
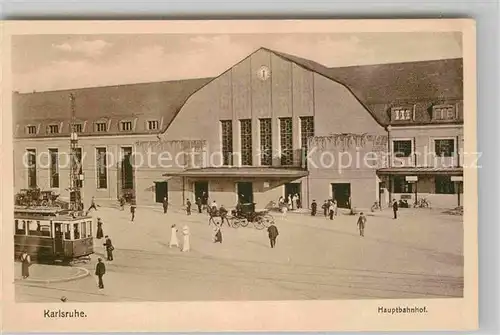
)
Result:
{"points": [[75, 176]]}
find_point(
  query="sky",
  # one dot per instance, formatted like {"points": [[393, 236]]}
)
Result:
{"points": [[55, 62]]}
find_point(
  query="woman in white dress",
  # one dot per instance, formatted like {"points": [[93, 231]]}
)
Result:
{"points": [[186, 245], [284, 209], [173, 237]]}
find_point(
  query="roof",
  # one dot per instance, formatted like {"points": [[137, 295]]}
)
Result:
{"points": [[454, 171], [156, 101], [251, 172]]}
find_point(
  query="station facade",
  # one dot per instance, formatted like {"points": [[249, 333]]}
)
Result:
{"points": [[271, 125]]}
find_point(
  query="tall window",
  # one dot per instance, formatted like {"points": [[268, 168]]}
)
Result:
{"points": [[445, 148], [444, 185], [31, 161], [153, 125], [286, 140], [306, 130], [78, 127], [246, 142], [402, 148], [100, 126], [266, 142], [126, 126], [401, 185], [102, 172], [79, 163], [127, 169], [227, 141], [54, 168]]}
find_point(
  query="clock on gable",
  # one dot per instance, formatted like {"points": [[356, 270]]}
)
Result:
{"points": [[263, 73]]}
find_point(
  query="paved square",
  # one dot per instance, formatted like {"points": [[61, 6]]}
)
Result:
{"points": [[419, 255]]}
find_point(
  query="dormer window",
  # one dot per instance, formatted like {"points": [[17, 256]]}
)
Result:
{"points": [[402, 114], [100, 127], [444, 113], [153, 125], [53, 129], [126, 125], [31, 130], [78, 127]]}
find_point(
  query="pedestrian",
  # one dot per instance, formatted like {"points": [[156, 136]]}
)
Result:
{"points": [[165, 205], [132, 210], [100, 232], [92, 205], [294, 202], [361, 224], [335, 207], [395, 208], [188, 207], [299, 203], [100, 270], [331, 210], [218, 232], [174, 242], [109, 248], [273, 233], [186, 245], [25, 264], [223, 216], [198, 203], [284, 209], [314, 208], [325, 208], [122, 203]]}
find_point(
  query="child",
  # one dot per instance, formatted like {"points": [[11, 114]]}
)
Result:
{"points": [[361, 224]]}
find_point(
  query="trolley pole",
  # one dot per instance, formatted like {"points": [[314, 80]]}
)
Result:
{"points": [[75, 177]]}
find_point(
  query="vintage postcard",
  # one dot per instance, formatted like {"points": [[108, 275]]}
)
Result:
{"points": [[310, 175]]}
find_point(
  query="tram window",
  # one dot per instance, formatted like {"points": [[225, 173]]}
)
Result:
{"points": [[67, 232], [90, 228], [39, 228], [20, 227], [83, 229], [76, 231]]}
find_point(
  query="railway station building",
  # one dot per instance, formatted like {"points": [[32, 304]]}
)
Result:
{"points": [[271, 125]]}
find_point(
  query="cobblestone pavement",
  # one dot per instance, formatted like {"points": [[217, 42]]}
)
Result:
{"points": [[419, 255]]}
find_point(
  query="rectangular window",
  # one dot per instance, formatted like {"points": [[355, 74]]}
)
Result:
{"points": [[246, 142], [306, 130], [39, 228], [153, 125], [83, 229], [100, 127], [20, 227], [443, 113], [402, 148], [227, 141], [31, 160], [79, 162], [286, 141], [67, 232], [444, 185], [444, 148], [102, 172], [78, 127], [401, 185], [53, 129], [76, 231], [266, 142], [127, 169], [54, 168], [30, 130], [126, 125], [401, 114]]}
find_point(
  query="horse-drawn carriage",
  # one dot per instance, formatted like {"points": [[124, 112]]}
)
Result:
{"points": [[34, 197], [242, 216]]}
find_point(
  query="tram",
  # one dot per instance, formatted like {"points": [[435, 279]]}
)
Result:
{"points": [[52, 234]]}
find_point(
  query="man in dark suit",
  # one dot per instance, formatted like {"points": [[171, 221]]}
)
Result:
{"points": [[100, 270], [395, 208], [273, 233], [109, 248]]}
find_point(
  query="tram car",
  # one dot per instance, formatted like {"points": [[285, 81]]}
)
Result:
{"points": [[51, 234]]}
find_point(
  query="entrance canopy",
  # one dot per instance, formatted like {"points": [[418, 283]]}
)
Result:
{"points": [[420, 171], [250, 172]]}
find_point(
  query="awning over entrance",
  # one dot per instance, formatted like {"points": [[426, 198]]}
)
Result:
{"points": [[419, 171], [251, 172]]}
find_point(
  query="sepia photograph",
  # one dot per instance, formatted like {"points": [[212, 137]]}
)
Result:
{"points": [[235, 166]]}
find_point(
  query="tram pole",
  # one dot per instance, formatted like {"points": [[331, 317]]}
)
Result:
{"points": [[75, 177]]}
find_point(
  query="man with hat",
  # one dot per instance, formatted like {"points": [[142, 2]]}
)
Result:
{"points": [[100, 270], [109, 248]]}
